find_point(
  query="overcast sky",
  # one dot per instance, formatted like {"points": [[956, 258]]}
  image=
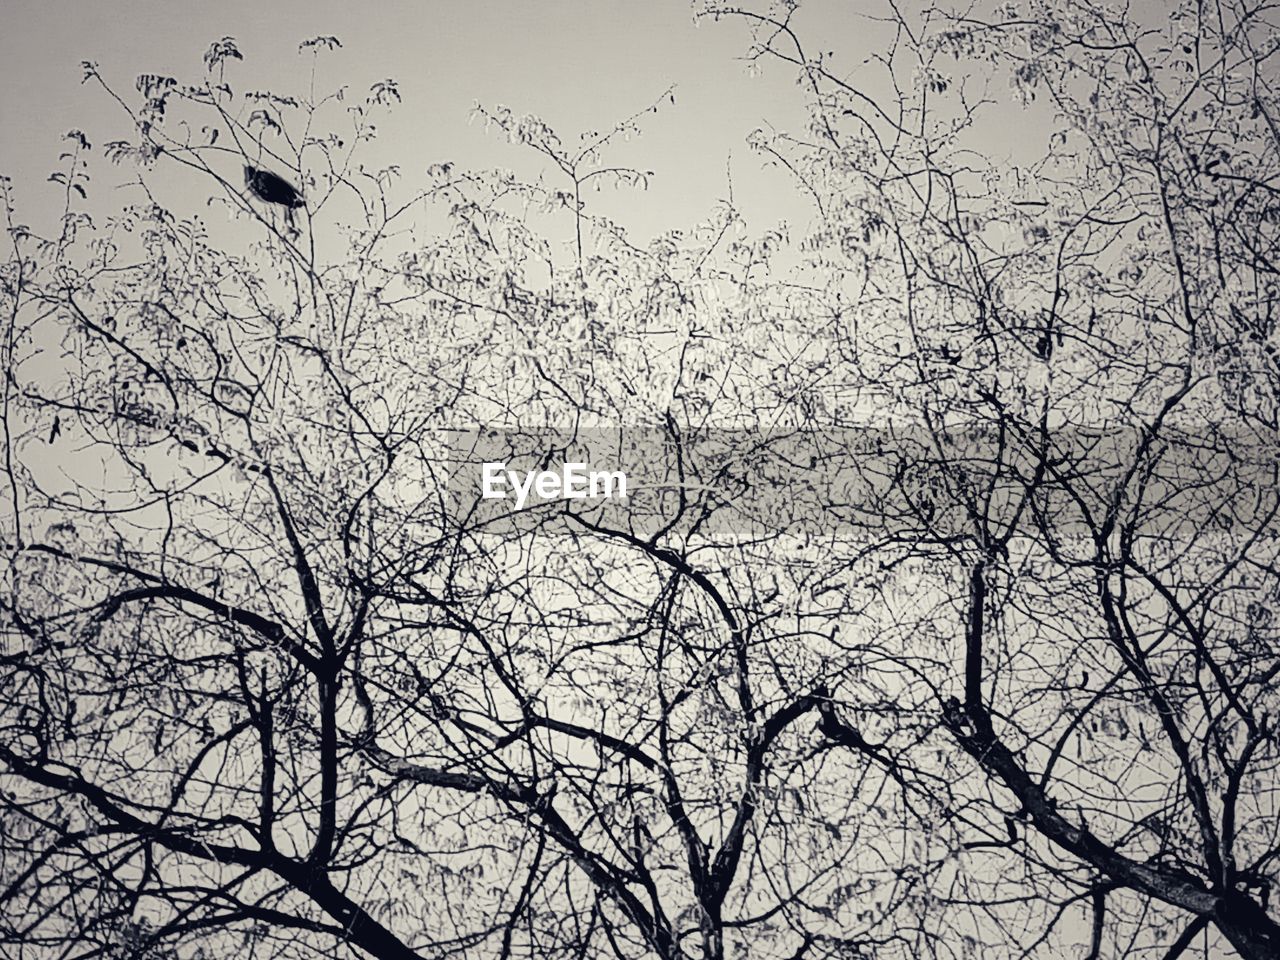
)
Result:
{"points": [[577, 63]]}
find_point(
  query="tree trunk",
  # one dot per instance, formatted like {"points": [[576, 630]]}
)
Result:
{"points": [[1248, 928]]}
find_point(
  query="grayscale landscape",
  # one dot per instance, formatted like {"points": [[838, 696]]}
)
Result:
{"points": [[790, 480]]}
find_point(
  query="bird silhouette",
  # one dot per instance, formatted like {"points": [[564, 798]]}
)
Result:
{"points": [[269, 188]]}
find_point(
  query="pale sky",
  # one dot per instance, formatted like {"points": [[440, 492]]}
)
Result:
{"points": [[577, 63]]}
